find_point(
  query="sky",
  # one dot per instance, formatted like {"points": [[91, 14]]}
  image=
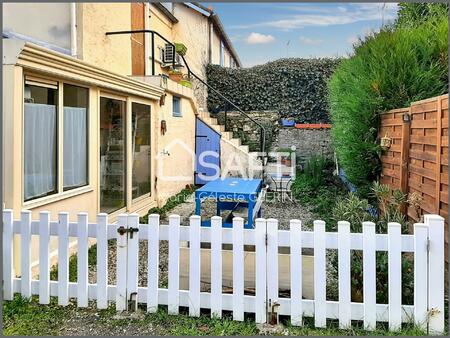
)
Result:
{"points": [[262, 32]]}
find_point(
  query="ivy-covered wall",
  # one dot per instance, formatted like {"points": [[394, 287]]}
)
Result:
{"points": [[293, 87]]}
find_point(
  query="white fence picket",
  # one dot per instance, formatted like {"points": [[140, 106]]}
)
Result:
{"points": [[174, 265], [102, 261], [420, 275], [121, 267], [320, 312], [133, 260], [216, 266], [272, 262], [436, 260], [260, 271], [345, 285], [194, 266], [153, 263], [82, 260], [238, 269], [369, 276], [8, 252], [395, 276], [44, 260], [25, 257], [296, 272], [63, 258]]}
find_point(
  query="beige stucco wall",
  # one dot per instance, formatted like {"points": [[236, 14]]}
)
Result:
{"points": [[109, 52]]}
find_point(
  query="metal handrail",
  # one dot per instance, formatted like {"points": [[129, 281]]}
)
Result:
{"points": [[190, 72]]}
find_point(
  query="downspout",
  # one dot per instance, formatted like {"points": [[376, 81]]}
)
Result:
{"points": [[73, 29]]}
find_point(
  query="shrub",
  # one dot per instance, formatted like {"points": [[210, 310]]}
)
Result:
{"points": [[357, 210], [389, 69], [293, 87]]}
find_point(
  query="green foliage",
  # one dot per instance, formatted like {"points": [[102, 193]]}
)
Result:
{"points": [[389, 69], [412, 14], [22, 317], [27, 317], [171, 203], [293, 87], [357, 210], [318, 188]]}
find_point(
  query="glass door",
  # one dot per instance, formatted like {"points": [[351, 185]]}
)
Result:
{"points": [[141, 132], [112, 154]]}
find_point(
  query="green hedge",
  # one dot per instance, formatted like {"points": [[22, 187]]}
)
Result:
{"points": [[293, 87], [388, 70]]}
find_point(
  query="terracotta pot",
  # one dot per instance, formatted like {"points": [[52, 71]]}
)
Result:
{"points": [[176, 77]]}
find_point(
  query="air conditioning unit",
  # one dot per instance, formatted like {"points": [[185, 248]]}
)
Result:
{"points": [[168, 54]]}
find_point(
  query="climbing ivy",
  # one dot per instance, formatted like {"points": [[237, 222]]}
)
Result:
{"points": [[294, 87]]}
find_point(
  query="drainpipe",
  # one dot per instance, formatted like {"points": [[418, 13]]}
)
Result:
{"points": [[73, 29]]}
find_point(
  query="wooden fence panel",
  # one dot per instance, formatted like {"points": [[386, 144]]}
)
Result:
{"points": [[417, 161]]}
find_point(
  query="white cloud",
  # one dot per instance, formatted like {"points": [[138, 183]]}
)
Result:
{"points": [[310, 41], [347, 14], [257, 38]]}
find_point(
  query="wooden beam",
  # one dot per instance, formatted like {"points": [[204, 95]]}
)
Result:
{"points": [[438, 153]]}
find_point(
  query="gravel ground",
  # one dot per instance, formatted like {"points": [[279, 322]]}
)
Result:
{"points": [[283, 210]]}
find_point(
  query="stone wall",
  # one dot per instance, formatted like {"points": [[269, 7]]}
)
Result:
{"points": [[243, 128], [307, 142]]}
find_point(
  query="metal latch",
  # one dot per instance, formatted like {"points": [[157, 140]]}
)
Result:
{"points": [[122, 230], [273, 313], [132, 303]]}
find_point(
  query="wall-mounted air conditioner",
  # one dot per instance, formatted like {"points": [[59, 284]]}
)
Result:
{"points": [[167, 57]]}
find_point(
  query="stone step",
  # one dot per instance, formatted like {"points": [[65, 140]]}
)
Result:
{"points": [[227, 134], [236, 141], [244, 148]]}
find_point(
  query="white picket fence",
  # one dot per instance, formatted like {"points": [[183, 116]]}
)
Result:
{"points": [[426, 244]]}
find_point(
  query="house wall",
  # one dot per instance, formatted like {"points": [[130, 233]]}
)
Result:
{"points": [[159, 23], [110, 52]]}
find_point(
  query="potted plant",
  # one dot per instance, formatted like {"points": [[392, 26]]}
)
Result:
{"points": [[180, 48], [175, 75], [286, 159]]}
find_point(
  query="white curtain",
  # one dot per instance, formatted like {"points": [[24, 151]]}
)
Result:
{"points": [[75, 147], [39, 149]]}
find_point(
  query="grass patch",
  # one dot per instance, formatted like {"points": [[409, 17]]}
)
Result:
{"points": [[27, 317]]}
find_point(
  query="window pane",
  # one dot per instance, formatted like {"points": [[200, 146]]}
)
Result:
{"points": [[39, 141], [75, 136], [112, 155], [176, 103], [140, 119]]}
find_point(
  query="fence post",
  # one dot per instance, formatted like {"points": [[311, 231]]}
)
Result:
{"points": [[102, 261], [82, 260], [296, 272], [320, 304], [238, 268], [420, 275], [173, 297], [435, 224], [260, 271], [63, 259], [404, 154], [25, 257], [344, 264], [153, 263], [44, 261], [132, 261], [272, 264], [121, 288], [369, 276], [8, 272], [194, 266], [395, 275]]}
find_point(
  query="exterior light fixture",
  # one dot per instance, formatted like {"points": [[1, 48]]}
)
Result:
{"points": [[385, 143]]}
